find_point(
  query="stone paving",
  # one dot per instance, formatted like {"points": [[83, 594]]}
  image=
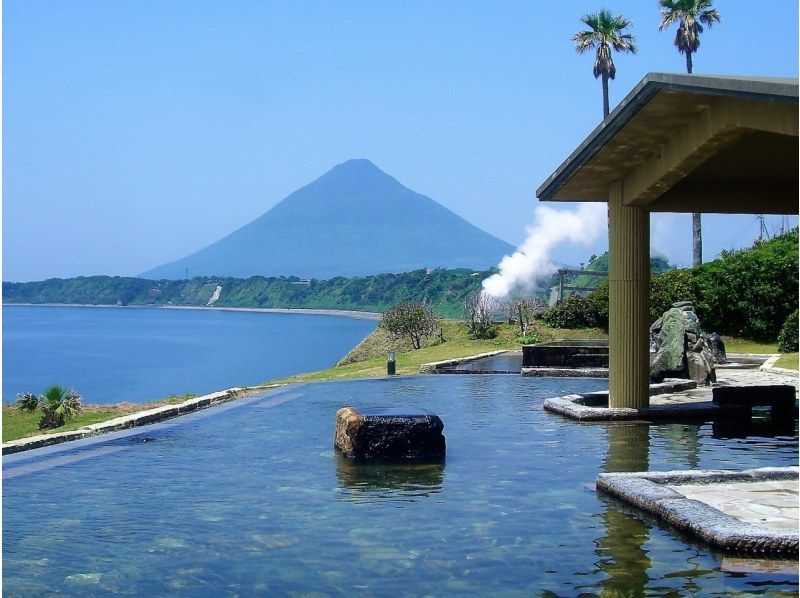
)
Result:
{"points": [[726, 377], [680, 402], [771, 503]]}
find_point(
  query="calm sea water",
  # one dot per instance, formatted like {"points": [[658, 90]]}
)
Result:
{"points": [[138, 355], [250, 499]]}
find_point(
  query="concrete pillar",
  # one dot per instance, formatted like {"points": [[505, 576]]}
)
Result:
{"points": [[629, 309]]}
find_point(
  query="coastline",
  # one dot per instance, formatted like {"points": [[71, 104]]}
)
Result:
{"points": [[358, 315]]}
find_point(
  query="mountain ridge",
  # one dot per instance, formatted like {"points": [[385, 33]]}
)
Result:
{"points": [[354, 220]]}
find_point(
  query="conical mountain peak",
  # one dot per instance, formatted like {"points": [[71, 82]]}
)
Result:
{"points": [[357, 171], [354, 220]]}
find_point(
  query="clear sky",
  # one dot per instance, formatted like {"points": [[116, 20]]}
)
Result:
{"points": [[137, 132]]}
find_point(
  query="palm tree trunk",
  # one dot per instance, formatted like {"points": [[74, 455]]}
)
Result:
{"points": [[697, 230], [697, 240], [605, 96]]}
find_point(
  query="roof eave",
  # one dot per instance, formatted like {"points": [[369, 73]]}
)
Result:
{"points": [[772, 90]]}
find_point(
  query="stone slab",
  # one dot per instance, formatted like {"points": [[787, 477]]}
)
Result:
{"points": [[763, 521]]}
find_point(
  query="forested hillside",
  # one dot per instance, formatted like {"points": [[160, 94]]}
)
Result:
{"points": [[443, 289]]}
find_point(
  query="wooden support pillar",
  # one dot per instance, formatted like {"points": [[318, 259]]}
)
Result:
{"points": [[629, 308]]}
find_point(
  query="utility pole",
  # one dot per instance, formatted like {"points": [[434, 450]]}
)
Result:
{"points": [[763, 228]]}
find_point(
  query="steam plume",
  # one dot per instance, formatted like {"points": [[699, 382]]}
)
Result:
{"points": [[531, 261]]}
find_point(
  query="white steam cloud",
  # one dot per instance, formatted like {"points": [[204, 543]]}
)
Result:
{"points": [[531, 261]]}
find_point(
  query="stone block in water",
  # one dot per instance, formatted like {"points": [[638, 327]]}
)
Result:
{"points": [[389, 435]]}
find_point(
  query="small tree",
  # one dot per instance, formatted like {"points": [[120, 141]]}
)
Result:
{"points": [[58, 405], [411, 320], [479, 311]]}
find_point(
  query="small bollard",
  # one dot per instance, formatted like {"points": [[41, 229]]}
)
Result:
{"points": [[391, 365]]}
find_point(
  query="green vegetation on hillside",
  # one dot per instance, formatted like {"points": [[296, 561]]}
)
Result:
{"points": [[599, 263], [748, 293], [444, 290], [371, 352]]}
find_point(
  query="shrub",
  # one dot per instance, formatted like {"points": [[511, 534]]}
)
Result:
{"points": [[788, 338], [531, 337], [597, 306], [27, 402], [573, 312], [669, 288], [411, 320], [749, 293]]}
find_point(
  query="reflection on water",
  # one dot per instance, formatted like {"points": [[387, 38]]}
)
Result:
{"points": [[756, 427], [620, 550], [628, 448], [402, 482]]}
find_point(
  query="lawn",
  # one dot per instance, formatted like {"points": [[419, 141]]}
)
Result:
{"points": [[788, 361], [372, 351], [739, 345]]}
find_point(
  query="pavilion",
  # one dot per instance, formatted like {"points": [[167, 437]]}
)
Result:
{"points": [[677, 143]]}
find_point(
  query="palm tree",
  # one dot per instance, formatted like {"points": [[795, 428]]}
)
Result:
{"points": [[690, 16], [58, 404], [606, 32]]}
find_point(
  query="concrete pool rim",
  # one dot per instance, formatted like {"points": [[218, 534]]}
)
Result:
{"points": [[649, 492]]}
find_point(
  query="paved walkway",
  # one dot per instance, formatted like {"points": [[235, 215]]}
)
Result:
{"points": [[726, 377]]}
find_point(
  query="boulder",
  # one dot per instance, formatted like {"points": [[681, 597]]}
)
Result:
{"points": [[669, 359], [389, 435], [678, 347]]}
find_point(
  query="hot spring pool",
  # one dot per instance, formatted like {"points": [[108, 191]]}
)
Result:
{"points": [[250, 498]]}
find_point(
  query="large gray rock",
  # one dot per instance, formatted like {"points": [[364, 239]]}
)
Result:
{"points": [[669, 360], [678, 347], [389, 435]]}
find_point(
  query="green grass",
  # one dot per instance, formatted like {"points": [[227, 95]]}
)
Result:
{"points": [[19, 424], [788, 361], [739, 345], [457, 344]]}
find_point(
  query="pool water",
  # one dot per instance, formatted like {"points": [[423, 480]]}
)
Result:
{"points": [[251, 498]]}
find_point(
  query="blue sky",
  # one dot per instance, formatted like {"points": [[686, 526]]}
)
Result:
{"points": [[137, 132]]}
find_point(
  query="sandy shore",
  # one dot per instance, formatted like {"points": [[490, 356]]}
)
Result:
{"points": [[359, 315]]}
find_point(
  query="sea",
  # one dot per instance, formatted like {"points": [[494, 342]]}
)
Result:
{"points": [[135, 355]]}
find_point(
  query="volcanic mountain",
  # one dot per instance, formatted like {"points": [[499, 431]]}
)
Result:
{"points": [[354, 220]]}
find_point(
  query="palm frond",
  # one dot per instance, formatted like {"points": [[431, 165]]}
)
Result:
{"points": [[688, 14], [69, 406], [53, 396], [27, 402], [606, 32]]}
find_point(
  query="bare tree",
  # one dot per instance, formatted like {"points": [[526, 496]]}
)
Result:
{"points": [[525, 309], [411, 320], [479, 309]]}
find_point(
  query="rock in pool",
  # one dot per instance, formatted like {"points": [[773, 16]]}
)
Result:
{"points": [[389, 435]]}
